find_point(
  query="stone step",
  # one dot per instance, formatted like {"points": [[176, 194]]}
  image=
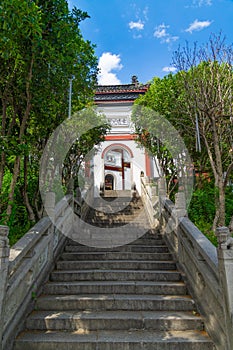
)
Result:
{"points": [[115, 287], [95, 256], [134, 223], [111, 224], [115, 207], [116, 215], [116, 222], [141, 241], [134, 248], [118, 193], [113, 320], [120, 207], [116, 265], [116, 302], [118, 199], [114, 340], [114, 275]]}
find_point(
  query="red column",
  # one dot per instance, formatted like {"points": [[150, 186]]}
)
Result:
{"points": [[147, 164], [123, 169]]}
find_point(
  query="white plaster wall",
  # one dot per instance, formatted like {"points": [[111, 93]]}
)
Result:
{"points": [[118, 112], [132, 175], [113, 113]]}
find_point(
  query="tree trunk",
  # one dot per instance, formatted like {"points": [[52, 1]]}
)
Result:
{"points": [[2, 168], [12, 187], [220, 177], [220, 205], [3, 155], [25, 194], [20, 137]]}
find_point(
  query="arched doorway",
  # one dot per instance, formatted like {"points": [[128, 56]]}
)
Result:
{"points": [[109, 182], [117, 160]]}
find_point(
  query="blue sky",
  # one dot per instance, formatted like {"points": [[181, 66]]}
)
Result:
{"points": [[138, 37]]}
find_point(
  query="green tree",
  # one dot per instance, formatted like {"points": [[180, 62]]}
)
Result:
{"points": [[207, 80], [87, 145], [41, 48], [197, 101]]}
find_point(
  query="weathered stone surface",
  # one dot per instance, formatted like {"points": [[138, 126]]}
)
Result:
{"points": [[129, 297], [30, 259], [113, 340]]}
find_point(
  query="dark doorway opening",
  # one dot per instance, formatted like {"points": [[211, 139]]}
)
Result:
{"points": [[109, 182]]}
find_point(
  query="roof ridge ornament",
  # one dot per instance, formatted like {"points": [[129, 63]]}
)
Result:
{"points": [[134, 80]]}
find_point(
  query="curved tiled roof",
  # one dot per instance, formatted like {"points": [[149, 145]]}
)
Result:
{"points": [[124, 92]]}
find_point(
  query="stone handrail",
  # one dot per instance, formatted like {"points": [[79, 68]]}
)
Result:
{"points": [[150, 199], [83, 201], [208, 270], [25, 266]]}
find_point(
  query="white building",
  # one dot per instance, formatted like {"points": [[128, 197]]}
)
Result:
{"points": [[120, 161]]}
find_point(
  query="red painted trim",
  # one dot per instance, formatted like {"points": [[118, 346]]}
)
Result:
{"points": [[114, 101], [113, 168], [120, 137], [147, 161], [107, 92], [115, 145]]}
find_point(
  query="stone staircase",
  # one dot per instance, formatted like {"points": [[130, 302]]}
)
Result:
{"points": [[129, 297], [114, 212]]}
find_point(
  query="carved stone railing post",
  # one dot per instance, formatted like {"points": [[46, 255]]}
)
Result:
{"points": [[4, 263], [180, 206], [49, 206], [70, 188], [180, 211], [162, 190], [225, 260], [78, 194]]}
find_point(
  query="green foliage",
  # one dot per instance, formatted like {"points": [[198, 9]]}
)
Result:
{"points": [[202, 204], [18, 221], [41, 49], [199, 95], [229, 204], [202, 208], [162, 141]]}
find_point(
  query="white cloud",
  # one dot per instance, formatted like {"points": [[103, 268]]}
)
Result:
{"points": [[107, 63], [161, 31], [200, 3], [198, 25], [169, 69], [162, 34], [170, 39], [136, 25], [141, 17], [145, 13]]}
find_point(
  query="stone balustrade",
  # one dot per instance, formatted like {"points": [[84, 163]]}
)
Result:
{"points": [[83, 200], [150, 199], [25, 266], [208, 270]]}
